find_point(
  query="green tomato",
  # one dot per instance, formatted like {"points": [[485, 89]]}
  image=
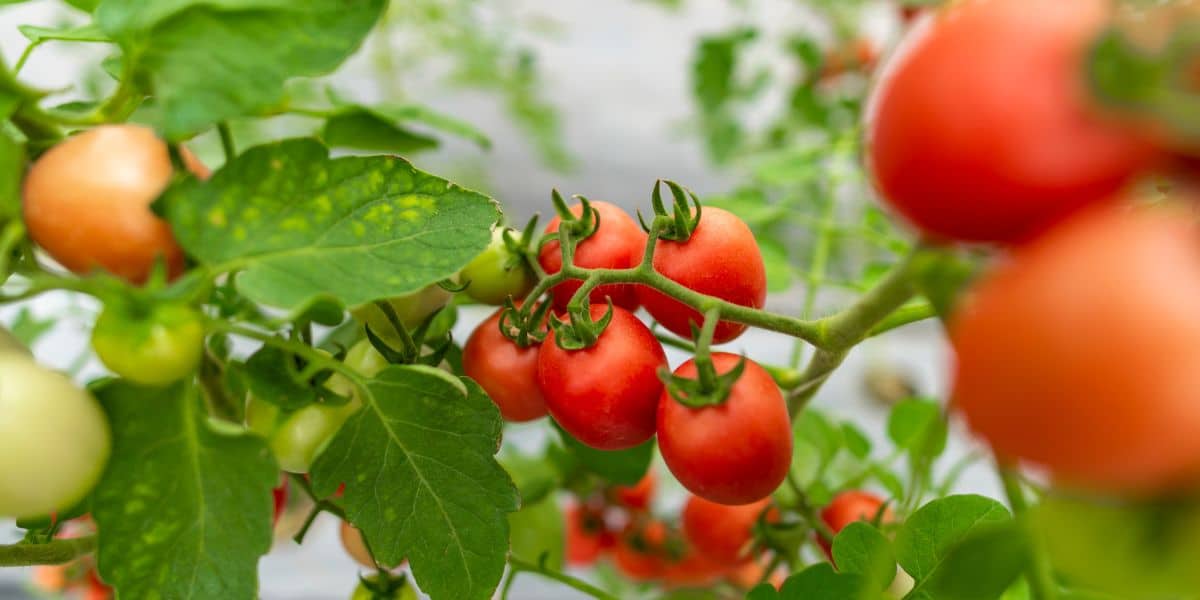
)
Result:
{"points": [[412, 309], [497, 273], [362, 592], [154, 347], [54, 439]]}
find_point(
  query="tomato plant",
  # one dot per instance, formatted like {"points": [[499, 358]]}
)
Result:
{"points": [[722, 533], [616, 243]]}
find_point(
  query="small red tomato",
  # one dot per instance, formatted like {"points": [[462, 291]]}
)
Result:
{"points": [[721, 532], [722, 259], [605, 395], [639, 553], [97, 589], [693, 570], [617, 243], [506, 371], [355, 545], [748, 575], [737, 452], [848, 507], [588, 536], [280, 496], [638, 495]]}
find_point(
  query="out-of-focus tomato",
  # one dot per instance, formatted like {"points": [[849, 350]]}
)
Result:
{"points": [[352, 541], [588, 536], [640, 554], [637, 496], [848, 507], [721, 532]]}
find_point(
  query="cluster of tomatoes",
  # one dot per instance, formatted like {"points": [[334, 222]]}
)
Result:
{"points": [[1077, 351]]}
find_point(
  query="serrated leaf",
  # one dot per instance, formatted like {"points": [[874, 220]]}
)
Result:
{"points": [[301, 226], [981, 566], [364, 131], [625, 467], [213, 60], [82, 33], [861, 548], [929, 534], [184, 510], [537, 531], [422, 482], [821, 582]]}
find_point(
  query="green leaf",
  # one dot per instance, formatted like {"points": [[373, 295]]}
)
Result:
{"points": [[184, 510], [916, 425], [400, 115], [301, 226], [625, 467], [537, 530], [857, 442], [362, 130], [816, 429], [28, 328], [981, 566], [84, 5], [860, 548], [82, 33], [421, 480], [778, 264], [268, 375], [12, 167], [929, 534], [218, 59], [821, 582], [763, 591], [715, 66], [535, 476]]}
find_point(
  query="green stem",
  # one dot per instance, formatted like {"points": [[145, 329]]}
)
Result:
{"points": [[573, 582], [55, 552], [1039, 572], [25, 56], [227, 141]]}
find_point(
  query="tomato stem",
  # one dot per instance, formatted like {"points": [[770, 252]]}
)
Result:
{"points": [[580, 585], [55, 552]]}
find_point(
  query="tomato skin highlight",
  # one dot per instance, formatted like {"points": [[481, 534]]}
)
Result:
{"points": [[618, 243], [496, 273], [605, 395], [722, 532], [721, 259], [506, 371], [737, 452], [846, 508], [87, 202], [154, 349], [587, 535], [1079, 353], [963, 153]]}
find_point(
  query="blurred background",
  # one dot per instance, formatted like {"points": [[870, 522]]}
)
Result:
{"points": [[753, 104]]}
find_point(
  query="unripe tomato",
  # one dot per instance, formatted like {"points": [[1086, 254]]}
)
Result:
{"points": [[9, 344], [722, 259], [587, 536], [618, 243], [362, 592], [87, 202], [737, 452], [605, 395], [848, 507], [637, 496], [412, 310], [153, 346], [506, 371], [352, 541], [721, 532], [1079, 353], [981, 128], [640, 554], [54, 440], [497, 273]]}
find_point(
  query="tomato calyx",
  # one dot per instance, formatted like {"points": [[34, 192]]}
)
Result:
{"points": [[579, 330], [411, 342], [678, 225], [571, 229], [384, 584], [524, 326]]}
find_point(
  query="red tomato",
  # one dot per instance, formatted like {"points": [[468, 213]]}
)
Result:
{"points": [[721, 532], [355, 545], [1080, 353], [848, 507], [981, 128], [720, 259], [617, 244], [748, 575], [280, 496], [506, 371], [637, 496], [605, 395], [87, 202], [587, 535], [693, 570], [639, 554], [737, 452], [97, 589]]}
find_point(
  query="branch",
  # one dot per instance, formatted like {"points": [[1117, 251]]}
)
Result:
{"points": [[574, 582], [55, 552]]}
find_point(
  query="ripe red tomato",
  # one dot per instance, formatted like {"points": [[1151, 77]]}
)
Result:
{"points": [[737, 452], [637, 496], [605, 395], [279, 496], [720, 259], [1079, 353], [848, 507], [617, 244], [721, 532], [87, 202], [506, 371], [588, 536], [981, 128], [639, 554], [355, 546], [693, 570]]}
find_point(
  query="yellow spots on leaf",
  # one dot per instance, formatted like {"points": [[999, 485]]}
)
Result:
{"points": [[359, 229], [294, 223], [322, 204], [412, 216], [276, 164], [375, 179], [239, 233], [216, 217], [424, 203]]}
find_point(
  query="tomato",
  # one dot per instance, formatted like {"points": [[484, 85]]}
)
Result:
{"points": [[618, 243], [860, 54], [693, 570], [54, 440], [587, 535], [721, 258], [96, 588], [637, 496], [355, 546], [153, 346], [412, 310], [605, 395], [640, 554], [506, 371], [737, 452], [362, 592], [749, 574], [1079, 354], [279, 497], [87, 202], [721, 532], [848, 507], [981, 128], [497, 273]]}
